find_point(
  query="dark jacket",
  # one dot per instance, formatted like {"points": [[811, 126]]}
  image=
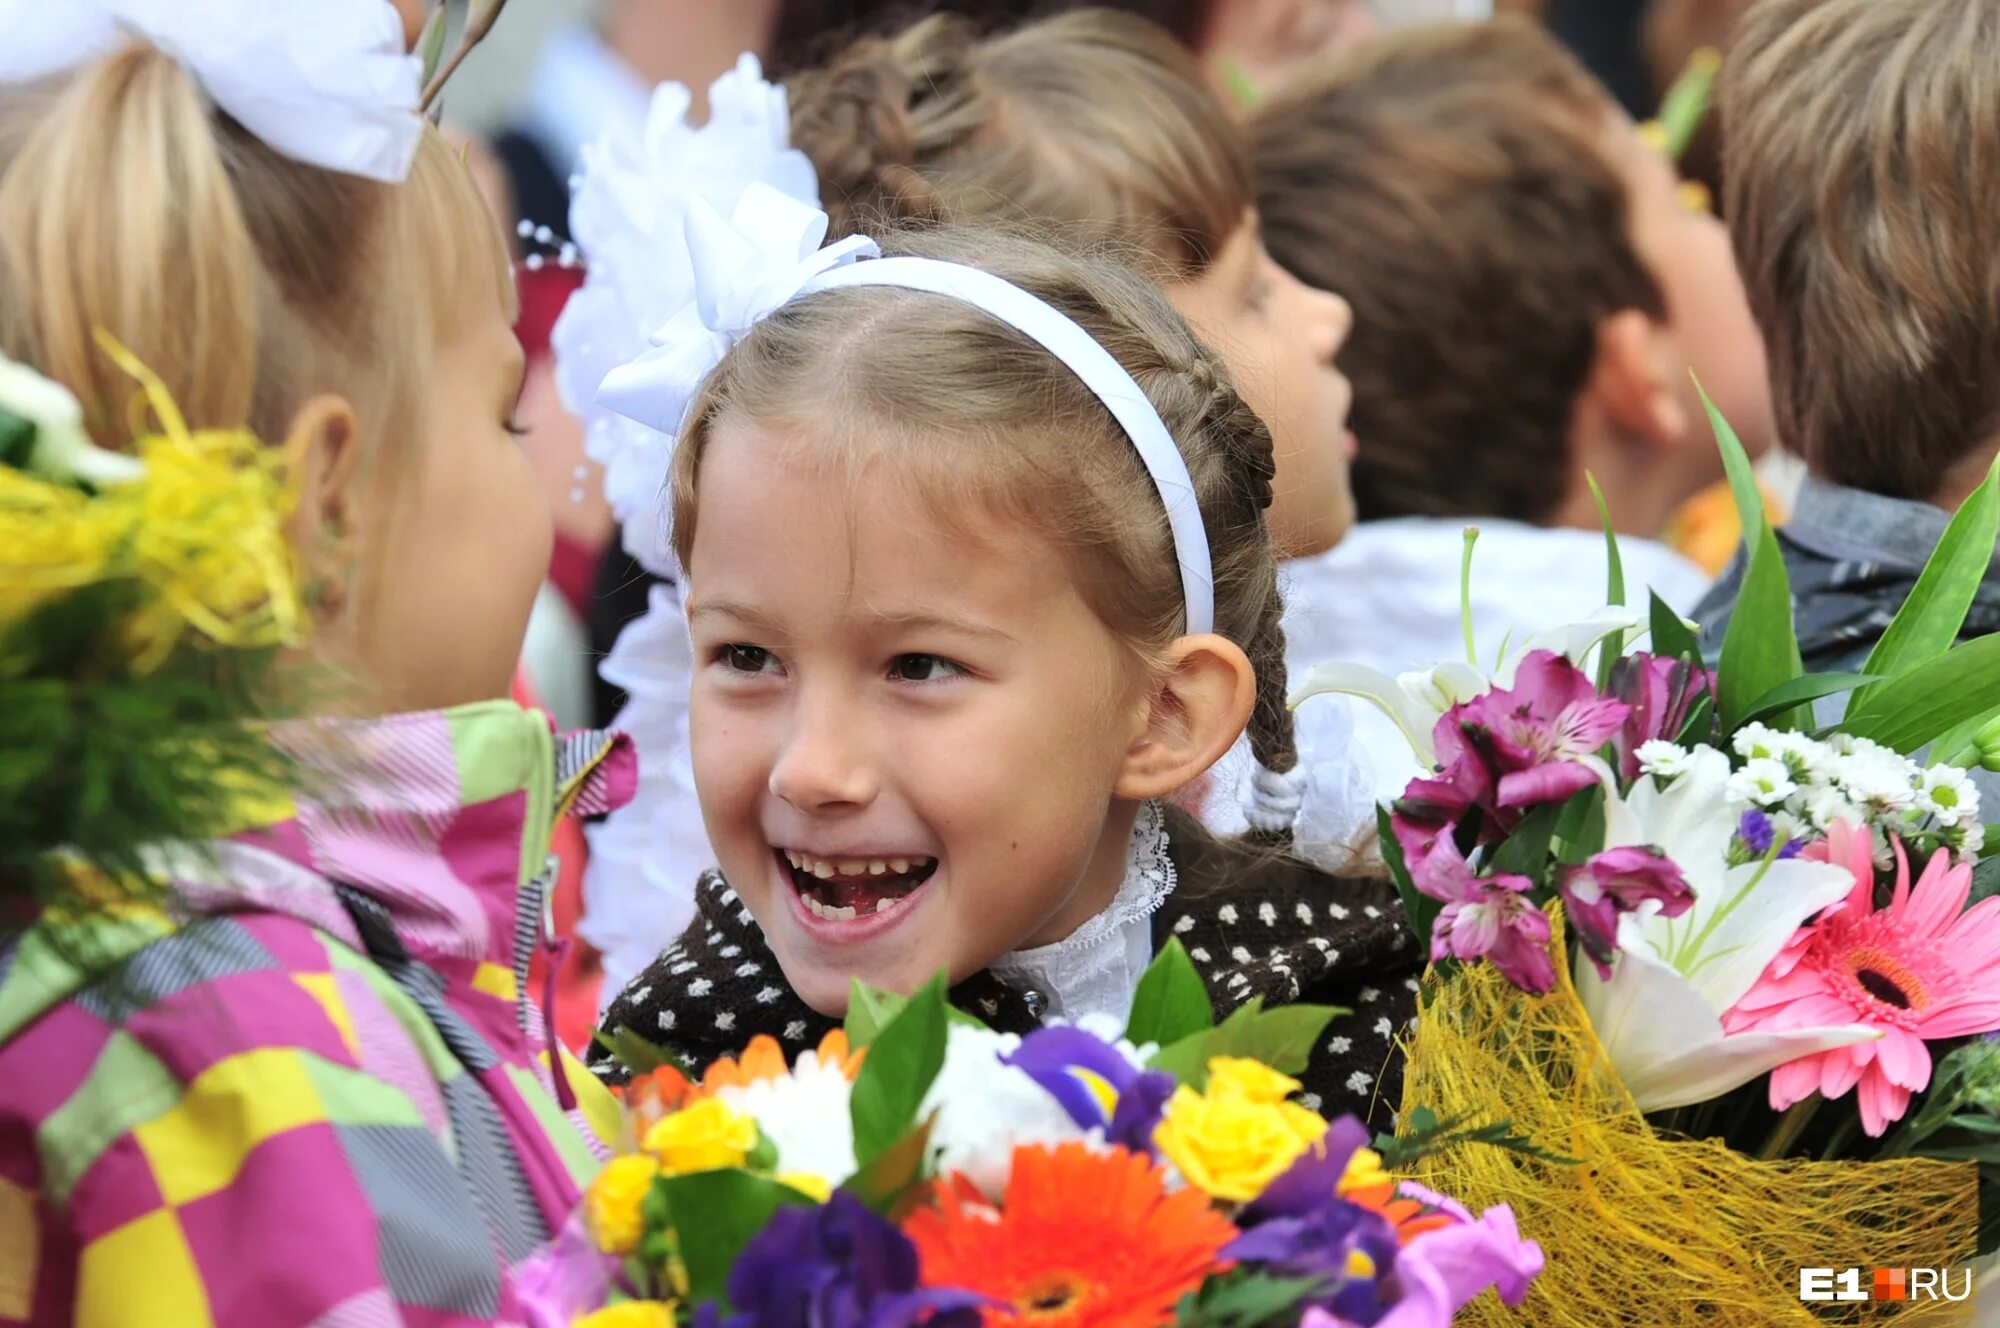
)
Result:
{"points": [[1852, 558], [1280, 929]]}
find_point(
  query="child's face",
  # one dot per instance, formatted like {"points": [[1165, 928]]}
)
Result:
{"points": [[467, 536], [1687, 249], [906, 737], [1279, 338]]}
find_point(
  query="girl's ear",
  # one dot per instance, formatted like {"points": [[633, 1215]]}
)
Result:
{"points": [[1198, 711], [1635, 379], [324, 440]]}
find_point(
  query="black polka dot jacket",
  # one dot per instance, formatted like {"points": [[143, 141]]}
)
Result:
{"points": [[1255, 925]]}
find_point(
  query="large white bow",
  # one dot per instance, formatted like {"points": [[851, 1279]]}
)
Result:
{"points": [[326, 82], [744, 269]]}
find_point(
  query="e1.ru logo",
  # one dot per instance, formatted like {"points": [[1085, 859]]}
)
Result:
{"points": [[1847, 1284]]}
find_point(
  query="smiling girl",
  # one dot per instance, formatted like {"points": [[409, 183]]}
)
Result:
{"points": [[978, 574]]}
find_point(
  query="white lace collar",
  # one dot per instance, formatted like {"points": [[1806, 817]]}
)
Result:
{"points": [[1096, 968]]}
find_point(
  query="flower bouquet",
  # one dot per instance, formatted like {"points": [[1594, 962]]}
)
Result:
{"points": [[1740, 964], [142, 596], [919, 1168]]}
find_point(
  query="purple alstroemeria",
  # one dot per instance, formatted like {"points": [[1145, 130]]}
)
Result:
{"points": [[1536, 734], [1618, 881], [1095, 1083], [839, 1265], [565, 1279], [1662, 692], [1487, 917]]}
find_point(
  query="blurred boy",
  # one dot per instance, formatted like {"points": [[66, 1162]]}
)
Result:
{"points": [[1863, 196], [1530, 294]]}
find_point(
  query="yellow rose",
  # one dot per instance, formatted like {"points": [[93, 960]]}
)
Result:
{"points": [[816, 1188], [708, 1136], [1254, 1081], [1231, 1147], [612, 1203], [629, 1314]]}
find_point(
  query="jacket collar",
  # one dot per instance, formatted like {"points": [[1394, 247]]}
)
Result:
{"points": [[443, 818]]}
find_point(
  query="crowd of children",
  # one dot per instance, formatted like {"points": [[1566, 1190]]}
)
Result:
{"points": [[1003, 492]]}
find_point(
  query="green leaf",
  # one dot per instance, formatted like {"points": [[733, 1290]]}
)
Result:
{"points": [[1985, 876], [1686, 102], [714, 1215], [1742, 475], [1700, 723], [1801, 691], [17, 439], [869, 1011], [1934, 612], [1579, 831], [1932, 698], [1282, 1038], [1614, 589], [1760, 648], [1171, 1002], [1960, 745], [1526, 852], [891, 1180], [1671, 636], [903, 1060], [635, 1053], [430, 45], [1246, 1299], [1419, 908]]}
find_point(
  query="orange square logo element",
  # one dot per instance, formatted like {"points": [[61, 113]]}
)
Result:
{"points": [[1892, 1284]]}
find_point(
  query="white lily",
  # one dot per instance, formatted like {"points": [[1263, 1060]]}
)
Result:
{"points": [[1659, 1016], [1415, 701]]}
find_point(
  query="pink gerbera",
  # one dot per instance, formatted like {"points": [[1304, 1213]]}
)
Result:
{"points": [[1921, 969]]}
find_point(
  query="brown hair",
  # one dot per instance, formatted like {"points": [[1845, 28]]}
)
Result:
{"points": [[248, 281], [1861, 184], [1021, 436], [1094, 121], [1454, 183]]}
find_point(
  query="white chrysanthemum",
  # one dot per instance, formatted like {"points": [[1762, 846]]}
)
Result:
{"points": [[1787, 828], [987, 1109], [805, 1115], [1949, 794], [1757, 742], [1823, 806], [1765, 781], [1966, 840], [1662, 758], [1881, 781]]}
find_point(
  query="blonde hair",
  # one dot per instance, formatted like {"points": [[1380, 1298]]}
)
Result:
{"points": [[1094, 121], [249, 282], [982, 417], [1861, 154]]}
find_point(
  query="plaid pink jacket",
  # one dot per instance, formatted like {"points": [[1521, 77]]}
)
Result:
{"points": [[311, 1091]]}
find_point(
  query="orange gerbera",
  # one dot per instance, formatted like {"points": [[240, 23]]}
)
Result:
{"points": [[765, 1059], [1082, 1240]]}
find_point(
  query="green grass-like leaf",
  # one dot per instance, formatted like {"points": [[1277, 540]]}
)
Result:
{"points": [[1934, 612], [1802, 691], [1419, 908], [1931, 699]]}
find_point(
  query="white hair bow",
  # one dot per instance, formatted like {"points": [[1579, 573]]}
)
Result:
{"points": [[744, 268], [326, 82]]}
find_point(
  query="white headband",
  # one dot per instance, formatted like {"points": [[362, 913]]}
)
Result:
{"points": [[769, 254], [325, 82]]}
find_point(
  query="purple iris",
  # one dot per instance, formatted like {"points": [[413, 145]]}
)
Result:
{"points": [[1301, 1227], [839, 1265], [1078, 1070]]}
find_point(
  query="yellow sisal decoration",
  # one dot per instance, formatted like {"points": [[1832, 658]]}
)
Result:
{"points": [[1651, 1231], [203, 529]]}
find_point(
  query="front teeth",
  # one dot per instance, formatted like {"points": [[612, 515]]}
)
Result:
{"points": [[826, 869]]}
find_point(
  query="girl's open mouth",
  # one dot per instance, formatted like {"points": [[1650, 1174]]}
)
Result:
{"points": [[844, 889]]}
